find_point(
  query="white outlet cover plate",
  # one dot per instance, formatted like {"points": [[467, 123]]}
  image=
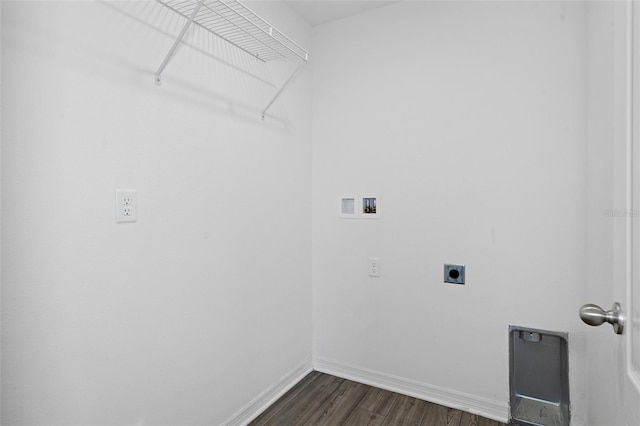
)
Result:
{"points": [[374, 267], [126, 205]]}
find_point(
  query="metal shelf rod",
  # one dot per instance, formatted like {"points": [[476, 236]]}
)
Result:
{"points": [[174, 48], [284, 86]]}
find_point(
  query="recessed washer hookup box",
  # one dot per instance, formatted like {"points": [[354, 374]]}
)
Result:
{"points": [[538, 377]]}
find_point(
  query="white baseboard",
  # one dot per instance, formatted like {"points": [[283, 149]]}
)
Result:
{"points": [[269, 396], [442, 396]]}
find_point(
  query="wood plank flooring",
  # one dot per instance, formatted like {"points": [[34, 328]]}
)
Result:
{"points": [[322, 399]]}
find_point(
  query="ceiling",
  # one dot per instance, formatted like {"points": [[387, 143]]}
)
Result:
{"points": [[318, 12]]}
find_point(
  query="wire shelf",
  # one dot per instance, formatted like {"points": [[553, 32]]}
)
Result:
{"points": [[240, 26]]}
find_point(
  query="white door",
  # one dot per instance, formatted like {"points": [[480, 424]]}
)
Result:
{"points": [[614, 388], [626, 285], [629, 289]]}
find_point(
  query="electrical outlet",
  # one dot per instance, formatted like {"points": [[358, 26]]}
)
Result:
{"points": [[374, 267], [126, 205]]}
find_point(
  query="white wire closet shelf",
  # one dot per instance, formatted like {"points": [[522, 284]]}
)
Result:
{"points": [[237, 24], [240, 26]]}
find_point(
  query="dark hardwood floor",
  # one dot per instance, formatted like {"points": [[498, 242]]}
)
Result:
{"points": [[322, 399]]}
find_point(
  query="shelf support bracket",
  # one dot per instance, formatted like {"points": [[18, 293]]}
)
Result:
{"points": [[176, 44], [279, 92]]}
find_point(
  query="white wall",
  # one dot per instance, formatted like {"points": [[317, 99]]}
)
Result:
{"points": [[202, 305], [469, 119]]}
